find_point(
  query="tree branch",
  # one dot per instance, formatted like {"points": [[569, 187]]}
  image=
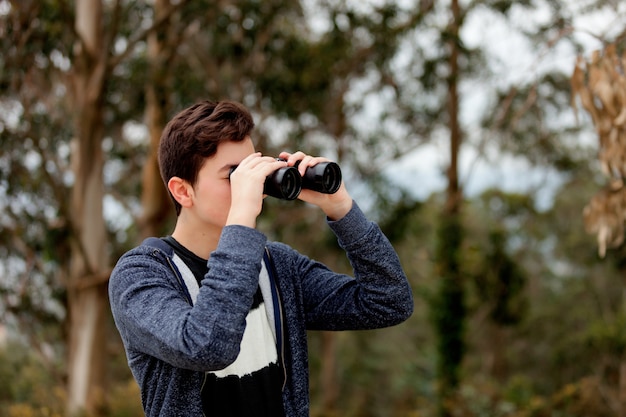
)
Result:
{"points": [[142, 35]]}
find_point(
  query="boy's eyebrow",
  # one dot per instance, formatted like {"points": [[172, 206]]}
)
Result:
{"points": [[227, 167]]}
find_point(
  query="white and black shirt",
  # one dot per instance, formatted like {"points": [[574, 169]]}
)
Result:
{"points": [[252, 384]]}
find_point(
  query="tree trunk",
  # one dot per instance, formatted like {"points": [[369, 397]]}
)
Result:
{"points": [[450, 311], [89, 265], [155, 200]]}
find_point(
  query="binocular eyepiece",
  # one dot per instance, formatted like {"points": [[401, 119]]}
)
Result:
{"points": [[286, 183]]}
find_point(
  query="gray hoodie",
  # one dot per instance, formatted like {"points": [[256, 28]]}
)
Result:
{"points": [[170, 343]]}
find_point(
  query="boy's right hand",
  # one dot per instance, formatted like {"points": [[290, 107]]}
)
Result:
{"points": [[246, 188]]}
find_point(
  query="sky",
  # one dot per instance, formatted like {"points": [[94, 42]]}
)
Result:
{"points": [[515, 61]]}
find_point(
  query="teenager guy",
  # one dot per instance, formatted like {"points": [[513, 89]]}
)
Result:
{"points": [[214, 316]]}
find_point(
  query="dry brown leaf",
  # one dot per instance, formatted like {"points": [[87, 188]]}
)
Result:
{"points": [[600, 84], [604, 216], [621, 117]]}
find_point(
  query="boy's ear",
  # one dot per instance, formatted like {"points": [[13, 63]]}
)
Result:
{"points": [[181, 190]]}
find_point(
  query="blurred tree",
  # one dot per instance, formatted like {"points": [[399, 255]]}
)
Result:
{"points": [[95, 56], [70, 55], [93, 60], [449, 310], [496, 277], [161, 47], [89, 261], [523, 119], [371, 84]]}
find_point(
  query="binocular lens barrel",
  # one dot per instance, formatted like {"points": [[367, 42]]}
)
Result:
{"points": [[286, 183], [324, 177]]}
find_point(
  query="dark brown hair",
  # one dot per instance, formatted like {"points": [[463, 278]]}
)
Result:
{"points": [[194, 135]]}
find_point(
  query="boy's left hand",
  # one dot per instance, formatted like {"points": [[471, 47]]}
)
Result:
{"points": [[336, 205]]}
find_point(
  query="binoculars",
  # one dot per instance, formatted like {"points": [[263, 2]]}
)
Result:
{"points": [[286, 183]]}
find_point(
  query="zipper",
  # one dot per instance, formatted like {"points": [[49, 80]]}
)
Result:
{"points": [[158, 250], [180, 280], [272, 273]]}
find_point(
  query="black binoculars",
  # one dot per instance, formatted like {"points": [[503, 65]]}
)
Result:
{"points": [[286, 183]]}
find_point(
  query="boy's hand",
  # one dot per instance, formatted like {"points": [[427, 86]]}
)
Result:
{"points": [[246, 188], [336, 205]]}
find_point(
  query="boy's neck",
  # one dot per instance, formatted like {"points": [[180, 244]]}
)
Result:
{"points": [[200, 241]]}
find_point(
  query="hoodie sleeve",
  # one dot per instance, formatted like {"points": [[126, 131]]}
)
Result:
{"points": [[377, 295], [154, 316]]}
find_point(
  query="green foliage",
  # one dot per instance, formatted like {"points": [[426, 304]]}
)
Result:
{"points": [[485, 399], [124, 400], [449, 309], [398, 218], [539, 294], [499, 280], [608, 338], [501, 283], [27, 388], [527, 123]]}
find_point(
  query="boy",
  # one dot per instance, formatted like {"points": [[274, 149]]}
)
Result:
{"points": [[214, 317]]}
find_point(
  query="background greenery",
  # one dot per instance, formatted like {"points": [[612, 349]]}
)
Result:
{"points": [[515, 314]]}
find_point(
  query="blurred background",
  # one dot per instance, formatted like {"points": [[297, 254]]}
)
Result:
{"points": [[487, 138]]}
